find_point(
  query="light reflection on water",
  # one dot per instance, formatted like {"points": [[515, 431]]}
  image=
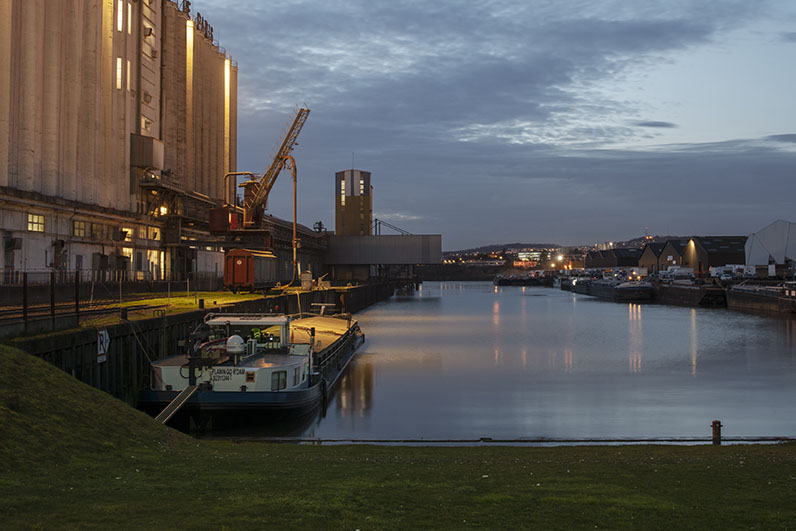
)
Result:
{"points": [[468, 360]]}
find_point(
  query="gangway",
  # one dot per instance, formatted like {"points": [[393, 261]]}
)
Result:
{"points": [[176, 404]]}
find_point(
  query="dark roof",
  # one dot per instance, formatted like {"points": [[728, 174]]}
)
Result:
{"points": [[721, 244], [679, 245], [655, 247], [626, 252]]}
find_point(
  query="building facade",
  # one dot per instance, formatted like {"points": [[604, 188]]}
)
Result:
{"points": [[703, 252], [650, 257], [672, 254], [353, 205], [117, 125], [773, 245]]}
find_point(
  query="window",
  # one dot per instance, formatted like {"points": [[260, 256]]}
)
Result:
{"points": [[78, 228], [154, 233], [142, 233], [278, 380], [128, 75], [361, 186], [129, 18], [97, 231], [119, 73], [120, 15], [296, 372], [35, 222], [128, 234], [342, 191]]}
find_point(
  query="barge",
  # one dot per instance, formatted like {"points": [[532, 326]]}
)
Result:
{"points": [[762, 298], [623, 291], [242, 366]]}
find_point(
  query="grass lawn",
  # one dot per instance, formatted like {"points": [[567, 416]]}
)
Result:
{"points": [[73, 457]]}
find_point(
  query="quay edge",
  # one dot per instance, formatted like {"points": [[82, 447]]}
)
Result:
{"points": [[133, 344]]}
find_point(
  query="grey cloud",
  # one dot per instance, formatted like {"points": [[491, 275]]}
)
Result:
{"points": [[789, 37], [791, 138], [664, 125]]}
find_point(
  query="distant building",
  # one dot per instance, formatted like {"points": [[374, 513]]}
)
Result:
{"points": [[353, 205], [672, 254], [612, 258], [773, 246], [704, 252], [650, 257]]}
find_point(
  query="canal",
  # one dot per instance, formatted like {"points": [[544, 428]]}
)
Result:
{"points": [[463, 360]]}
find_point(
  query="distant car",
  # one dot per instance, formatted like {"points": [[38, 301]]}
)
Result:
{"points": [[727, 277]]}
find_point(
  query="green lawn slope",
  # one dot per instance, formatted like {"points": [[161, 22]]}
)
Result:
{"points": [[72, 457]]}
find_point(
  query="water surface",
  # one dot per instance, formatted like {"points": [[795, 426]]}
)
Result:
{"points": [[468, 360]]}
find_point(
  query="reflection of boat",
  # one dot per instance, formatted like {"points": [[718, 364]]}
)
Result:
{"points": [[253, 364]]}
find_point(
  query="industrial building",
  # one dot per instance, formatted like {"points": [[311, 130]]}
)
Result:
{"points": [[117, 125], [773, 248], [703, 252], [650, 257], [353, 210], [356, 253]]}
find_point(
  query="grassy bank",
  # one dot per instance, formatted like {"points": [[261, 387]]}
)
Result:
{"points": [[71, 456]]}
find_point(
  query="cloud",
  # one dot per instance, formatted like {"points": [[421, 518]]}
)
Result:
{"points": [[789, 37], [485, 121], [790, 138], [664, 125]]}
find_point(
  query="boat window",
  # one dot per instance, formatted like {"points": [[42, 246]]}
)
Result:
{"points": [[296, 375], [278, 380]]}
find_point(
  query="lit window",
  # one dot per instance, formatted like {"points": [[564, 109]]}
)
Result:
{"points": [[154, 233], [129, 18], [119, 73], [120, 15], [128, 75], [35, 222], [342, 192], [361, 186], [78, 228], [142, 233]]}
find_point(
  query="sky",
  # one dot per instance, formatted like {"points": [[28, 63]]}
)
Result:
{"points": [[573, 122]]}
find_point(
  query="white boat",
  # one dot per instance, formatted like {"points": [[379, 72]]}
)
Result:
{"points": [[253, 363]]}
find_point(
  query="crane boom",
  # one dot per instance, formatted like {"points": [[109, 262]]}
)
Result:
{"points": [[255, 196]]}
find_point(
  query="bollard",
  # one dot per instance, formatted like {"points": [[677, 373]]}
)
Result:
{"points": [[201, 304], [716, 425]]}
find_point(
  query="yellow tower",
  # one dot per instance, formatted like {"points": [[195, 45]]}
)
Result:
{"points": [[353, 205]]}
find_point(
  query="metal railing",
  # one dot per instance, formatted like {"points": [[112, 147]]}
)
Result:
{"points": [[39, 277]]}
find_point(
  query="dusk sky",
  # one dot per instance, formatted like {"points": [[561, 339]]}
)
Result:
{"points": [[525, 121]]}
